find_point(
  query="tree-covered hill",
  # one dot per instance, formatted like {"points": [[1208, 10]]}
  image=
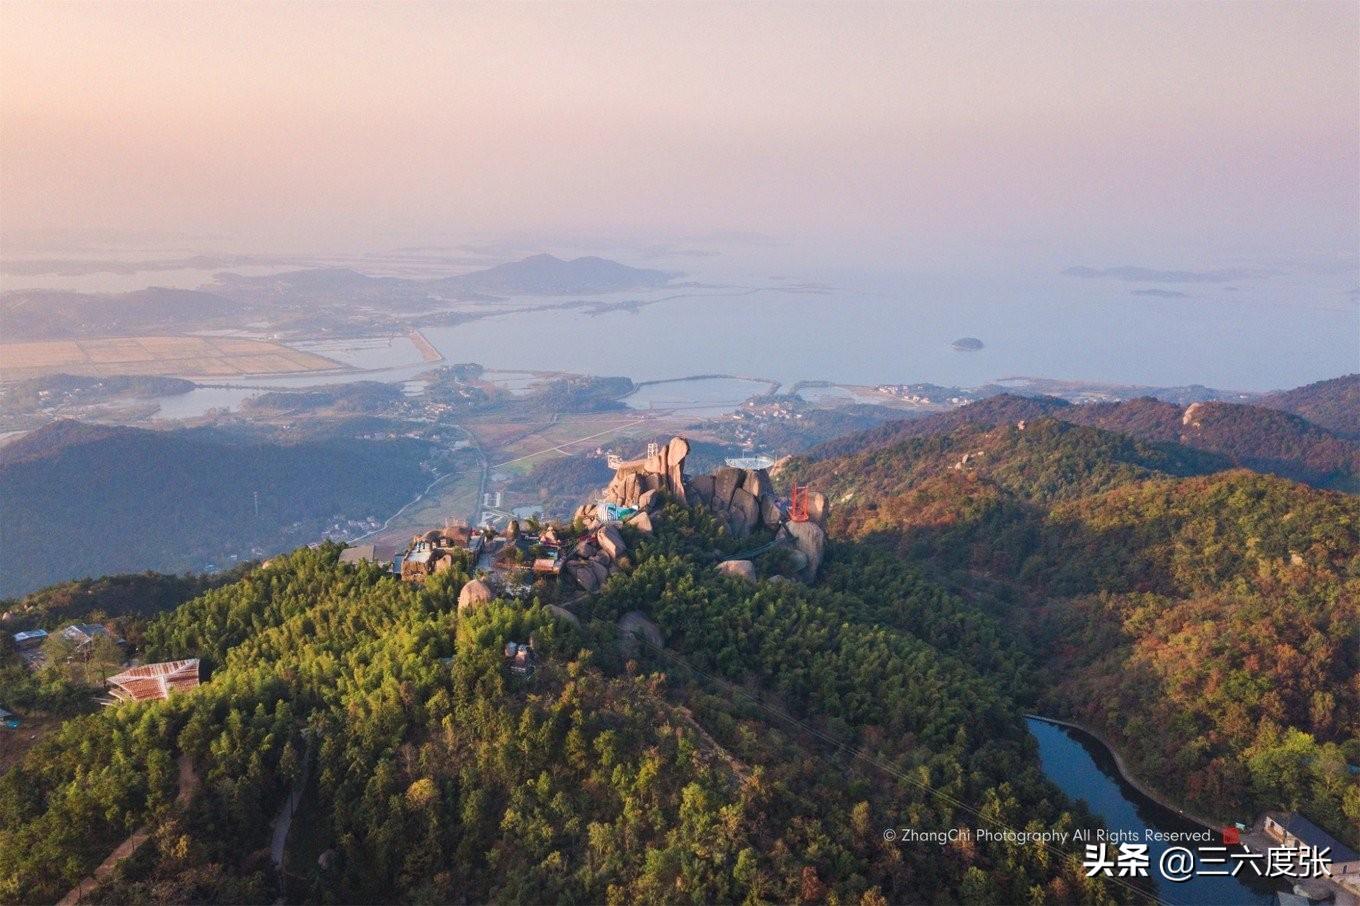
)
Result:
{"points": [[1001, 409], [1334, 404], [84, 500], [438, 775], [1259, 437], [1206, 620], [132, 596], [1044, 459]]}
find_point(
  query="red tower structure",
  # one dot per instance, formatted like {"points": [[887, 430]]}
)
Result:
{"points": [[798, 504]]}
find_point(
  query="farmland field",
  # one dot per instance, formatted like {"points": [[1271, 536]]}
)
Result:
{"points": [[185, 356]]}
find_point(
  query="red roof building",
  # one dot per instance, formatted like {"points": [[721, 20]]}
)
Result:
{"points": [[154, 681]]}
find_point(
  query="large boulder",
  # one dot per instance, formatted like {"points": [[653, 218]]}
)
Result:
{"points": [[563, 614], [585, 514], [601, 572], [757, 482], [583, 575], [662, 470], [725, 481], [474, 594], [649, 499], [611, 542], [634, 626], [742, 569], [816, 506], [770, 513], [702, 488], [810, 540], [675, 454], [616, 491], [642, 522], [743, 513]]}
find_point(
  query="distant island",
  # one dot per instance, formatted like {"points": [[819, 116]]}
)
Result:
{"points": [[305, 302], [967, 344], [547, 275]]}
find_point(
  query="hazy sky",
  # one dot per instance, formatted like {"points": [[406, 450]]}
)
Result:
{"points": [[1205, 134]]}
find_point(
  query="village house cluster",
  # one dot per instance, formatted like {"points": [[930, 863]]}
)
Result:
{"points": [[30, 643], [137, 682], [515, 552]]}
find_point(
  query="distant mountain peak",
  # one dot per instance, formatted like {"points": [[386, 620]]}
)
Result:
{"points": [[546, 274]]}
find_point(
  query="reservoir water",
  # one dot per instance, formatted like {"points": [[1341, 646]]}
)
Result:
{"points": [[1084, 769]]}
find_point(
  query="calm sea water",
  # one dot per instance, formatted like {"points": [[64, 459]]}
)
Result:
{"points": [[902, 330], [775, 314]]}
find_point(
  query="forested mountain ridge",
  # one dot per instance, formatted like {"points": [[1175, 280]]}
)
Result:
{"points": [[595, 779], [83, 500], [1266, 436], [1259, 438], [1047, 459], [988, 412], [1205, 619], [1334, 404]]}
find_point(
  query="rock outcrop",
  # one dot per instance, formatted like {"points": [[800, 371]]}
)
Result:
{"points": [[633, 627], [816, 507], [580, 571], [565, 615], [611, 542], [744, 499], [743, 513], [474, 594], [809, 540], [661, 470], [596, 556], [742, 569]]}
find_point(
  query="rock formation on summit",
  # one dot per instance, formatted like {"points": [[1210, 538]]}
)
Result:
{"points": [[662, 470], [744, 499]]}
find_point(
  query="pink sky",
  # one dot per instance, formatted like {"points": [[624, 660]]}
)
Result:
{"points": [[1146, 131]]}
